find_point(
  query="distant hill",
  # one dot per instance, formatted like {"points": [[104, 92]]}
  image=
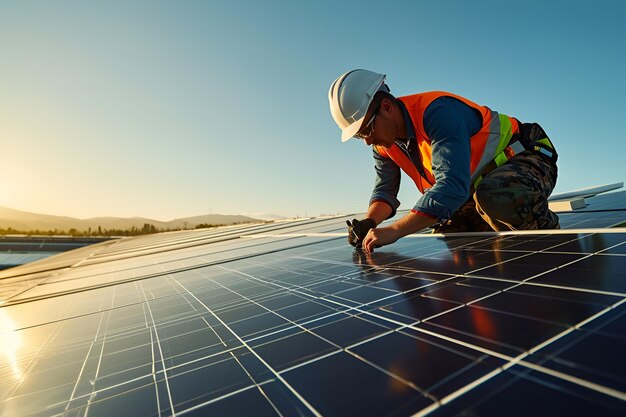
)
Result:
{"points": [[210, 219], [265, 216], [23, 220]]}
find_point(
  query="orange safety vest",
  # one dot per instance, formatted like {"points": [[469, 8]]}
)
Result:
{"points": [[489, 144]]}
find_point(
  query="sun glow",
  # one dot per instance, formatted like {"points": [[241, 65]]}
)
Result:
{"points": [[10, 342]]}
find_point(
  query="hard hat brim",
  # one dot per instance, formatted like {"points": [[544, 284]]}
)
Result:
{"points": [[349, 132]]}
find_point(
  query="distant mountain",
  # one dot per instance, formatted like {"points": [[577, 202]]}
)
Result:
{"points": [[23, 220]]}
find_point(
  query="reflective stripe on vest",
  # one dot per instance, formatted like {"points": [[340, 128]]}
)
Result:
{"points": [[486, 145]]}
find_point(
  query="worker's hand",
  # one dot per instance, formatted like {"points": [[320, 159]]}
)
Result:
{"points": [[357, 230], [379, 237]]}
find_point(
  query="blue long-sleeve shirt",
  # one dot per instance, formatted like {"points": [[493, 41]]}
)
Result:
{"points": [[449, 123]]}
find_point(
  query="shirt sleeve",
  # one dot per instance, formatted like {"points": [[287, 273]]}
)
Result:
{"points": [[449, 123], [387, 182]]}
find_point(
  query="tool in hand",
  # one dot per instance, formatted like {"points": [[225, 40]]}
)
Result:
{"points": [[357, 230]]}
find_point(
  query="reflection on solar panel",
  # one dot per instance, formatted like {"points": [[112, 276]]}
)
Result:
{"points": [[286, 319]]}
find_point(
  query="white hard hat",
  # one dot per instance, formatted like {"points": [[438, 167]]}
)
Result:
{"points": [[350, 96]]}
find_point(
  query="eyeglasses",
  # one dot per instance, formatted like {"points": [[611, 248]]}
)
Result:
{"points": [[368, 129]]}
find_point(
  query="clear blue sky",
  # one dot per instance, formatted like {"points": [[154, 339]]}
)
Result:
{"points": [[180, 108]]}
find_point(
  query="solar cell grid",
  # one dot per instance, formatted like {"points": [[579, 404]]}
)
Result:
{"points": [[523, 392], [304, 325]]}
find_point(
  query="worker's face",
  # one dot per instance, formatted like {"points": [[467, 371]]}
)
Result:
{"points": [[381, 130]]}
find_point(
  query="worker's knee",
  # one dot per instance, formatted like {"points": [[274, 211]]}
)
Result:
{"points": [[498, 203], [515, 195], [490, 196]]}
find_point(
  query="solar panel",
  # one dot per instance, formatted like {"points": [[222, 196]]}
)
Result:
{"points": [[287, 319]]}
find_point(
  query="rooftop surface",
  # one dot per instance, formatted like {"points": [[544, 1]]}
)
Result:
{"points": [[287, 319]]}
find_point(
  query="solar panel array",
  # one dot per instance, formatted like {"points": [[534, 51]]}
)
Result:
{"points": [[287, 319]]}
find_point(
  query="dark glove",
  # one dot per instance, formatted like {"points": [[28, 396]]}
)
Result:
{"points": [[358, 229]]}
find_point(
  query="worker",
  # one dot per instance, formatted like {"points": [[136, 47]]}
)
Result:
{"points": [[477, 169]]}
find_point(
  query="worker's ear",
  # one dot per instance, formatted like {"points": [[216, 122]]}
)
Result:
{"points": [[386, 105]]}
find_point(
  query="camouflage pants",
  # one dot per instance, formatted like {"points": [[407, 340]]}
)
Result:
{"points": [[513, 196]]}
